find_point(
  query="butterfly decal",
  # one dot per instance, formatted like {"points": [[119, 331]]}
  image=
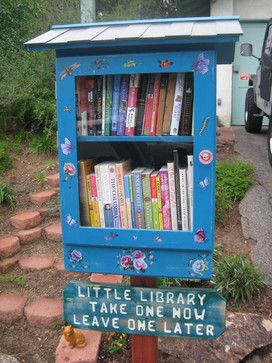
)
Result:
{"points": [[67, 147], [200, 236], [165, 63], [68, 71], [158, 239], [70, 220], [111, 236], [204, 183]]}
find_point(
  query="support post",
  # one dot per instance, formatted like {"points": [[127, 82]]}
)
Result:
{"points": [[87, 8], [144, 347]]}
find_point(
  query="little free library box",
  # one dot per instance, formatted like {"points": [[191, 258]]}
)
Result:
{"points": [[136, 109]]}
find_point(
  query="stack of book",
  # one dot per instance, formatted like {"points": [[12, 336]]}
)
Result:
{"points": [[112, 194], [148, 104]]}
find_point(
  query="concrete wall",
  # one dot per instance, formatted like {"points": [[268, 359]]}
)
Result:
{"points": [[224, 93]]}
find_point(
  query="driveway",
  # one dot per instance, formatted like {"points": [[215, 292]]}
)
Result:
{"points": [[256, 207]]}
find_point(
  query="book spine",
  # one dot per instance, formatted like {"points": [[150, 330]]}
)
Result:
{"points": [[91, 107], [154, 116], [128, 201], [94, 197], [78, 116], [98, 104], [169, 104], [172, 194], [158, 184], [141, 104], [147, 201], [123, 105], [187, 109], [84, 123], [106, 195], [184, 199], [99, 194], [132, 104], [166, 213], [138, 200], [149, 104], [90, 202], [115, 103], [190, 180], [103, 104], [132, 201], [83, 195], [154, 200], [177, 105], [177, 184], [114, 196], [108, 104], [162, 98], [119, 168]]}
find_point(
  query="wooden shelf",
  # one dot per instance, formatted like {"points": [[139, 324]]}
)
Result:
{"points": [[135, 138]]}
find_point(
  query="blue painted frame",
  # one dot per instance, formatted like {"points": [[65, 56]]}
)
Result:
{"points": [[175, 253]]}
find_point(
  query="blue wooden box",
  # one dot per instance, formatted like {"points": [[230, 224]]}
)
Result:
{"points": [[172, 45]]}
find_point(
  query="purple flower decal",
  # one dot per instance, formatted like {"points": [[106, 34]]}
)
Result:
{"points": [[199, 266], [200, 236], [76, 260], [135, 260], [67, 147], [201, 64], [76, 255]]}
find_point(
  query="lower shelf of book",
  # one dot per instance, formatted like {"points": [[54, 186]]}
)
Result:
{"points": [[195, 265]]}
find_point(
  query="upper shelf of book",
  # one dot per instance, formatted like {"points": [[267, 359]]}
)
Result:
{"points": [[135, 139]]}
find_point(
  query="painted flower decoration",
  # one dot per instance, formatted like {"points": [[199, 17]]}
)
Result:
{"points": [[200, 236], [69, 169], [76, 255], [199, 266], [135, 260], [201, 64], [76, 259], [67, 147]]}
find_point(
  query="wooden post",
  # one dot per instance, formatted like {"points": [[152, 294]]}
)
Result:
{"points": [[87, 11], [144, 347]]}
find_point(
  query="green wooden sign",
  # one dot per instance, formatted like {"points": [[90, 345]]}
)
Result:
{"points": [[190, 313]]}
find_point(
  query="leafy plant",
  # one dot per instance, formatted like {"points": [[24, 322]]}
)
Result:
{"points": [[40, 177], [10, 277], [50, 165], [236, 278], [118, 345], [45, 143], [7, 195], [233, 179], [20, 280], [5, 161]]}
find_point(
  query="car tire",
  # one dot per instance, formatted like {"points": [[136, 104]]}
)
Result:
{"points": [[253, 124], [269, 141]]}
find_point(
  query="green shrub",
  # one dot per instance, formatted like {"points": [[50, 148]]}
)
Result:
{"points": [[233, 179], [40, 177], [7, 195], [236, 278], [45, 143], [5, 161]]}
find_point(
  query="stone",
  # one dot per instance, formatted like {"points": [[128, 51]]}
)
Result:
{"points": [[26, 220], [9, 246], [40, 198], [5, 358], [53, 180], [106, 278], [225, 135], [11, 306], [7, 263], [36, 262], [44, 311], [89, 354], [244, 334], [53, 232], [59, 265], [29, 235], [43, 212]]}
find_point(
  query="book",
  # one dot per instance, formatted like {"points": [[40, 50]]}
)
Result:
{"points": [[103, 104], [121, 169], [165, 198], [136, 175], [185, 127], [184, 198], [147, 198], [172, 195], [106, 194], [132, 201], [90, 202], [176, 158], [123, 105], [115, 103], [141, 104], [155, 108], [177, 105], [99, 194], [94, 201], [154, 199], [162, 98], [90, 87], [167, 118], [108, 105], [149, 104], [190, 188], [158, 184], [114, 195], [83, 107], [128, 200], [98, 104], [78, 116], [134, 82], [84, 168]]}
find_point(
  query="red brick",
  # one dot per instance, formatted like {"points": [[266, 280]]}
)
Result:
{"points": [[59, 265], [8, 262], [9, 246], [26, 220], [29, 235], [53, 180], [106, 278], [42, 197], [88, 354], [36, 262], [53, 232], [43, 212], [44, 311], [11, 306]]}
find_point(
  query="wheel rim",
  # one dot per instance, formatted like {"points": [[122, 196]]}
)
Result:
{"points": [[246, 115]]}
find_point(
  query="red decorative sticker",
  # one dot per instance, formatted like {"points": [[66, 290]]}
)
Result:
{"points": [[205, 157], [244, 76]]}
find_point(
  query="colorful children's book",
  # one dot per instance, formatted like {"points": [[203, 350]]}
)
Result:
{"points": [[90, 202], [103, 104], [190, 188], [123, 104], [184, 199], [78, 115], [162, 99], [154, 199], [172, 193], [108, 105], [90, 87], [132, 201], [94, 200], [84, 168], [128, 200], [98, 104], [165, 198], [83, 107], [158, 184], [134, 82], [138, 197], [106, 194], [115, 103], [149, 104], [167, 118], [114, 195], [155, 108], [141, 104], [177, 106], [121, 169], [177, 161], [147, 198], [99, 194]]}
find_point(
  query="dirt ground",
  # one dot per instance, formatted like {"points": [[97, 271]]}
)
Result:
{"points": [[37, 345]]}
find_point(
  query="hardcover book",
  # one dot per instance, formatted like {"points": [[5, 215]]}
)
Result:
{"points": [[106, 194], [83, 107], [84, 168], [90, 202], [158, 184], [90, 87], [103, 104], [141, 104], [155, 108], [132, 201], [99, 194], [121, 169], [114, 195], [149, 104], [165, 198], [184, 198], [94, 199], [98, 104], [187, 109], [162, 99], [147, 198], [190, 188], [172, 193], [108, 105], [134, 82], [167, 118], [177, 105], [123, 105], [154, 199], [128, 200], [115, 103], [136, 175]]}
